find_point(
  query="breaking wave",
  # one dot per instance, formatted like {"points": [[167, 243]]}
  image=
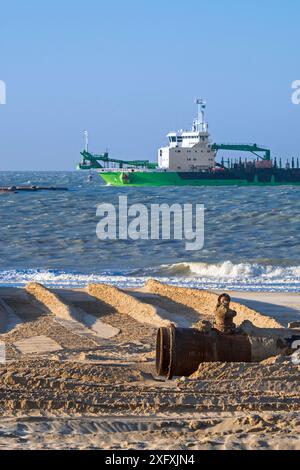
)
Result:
{"points": [[226, 275], [228, 270]]}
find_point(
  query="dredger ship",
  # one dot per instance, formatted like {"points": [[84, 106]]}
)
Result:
{"points": [[190, 160]]}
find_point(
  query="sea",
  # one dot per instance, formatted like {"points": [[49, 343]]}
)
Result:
{"points": [[251, 236]]}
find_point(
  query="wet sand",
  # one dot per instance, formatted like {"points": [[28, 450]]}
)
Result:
{"points": [[67, 385]]}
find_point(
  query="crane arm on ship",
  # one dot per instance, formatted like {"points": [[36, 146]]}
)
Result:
{"points": [[252, 148], [92, 161]]}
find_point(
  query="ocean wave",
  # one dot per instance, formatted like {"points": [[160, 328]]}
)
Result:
{"points": [[229, 270], [226, 275], [54, 278]]}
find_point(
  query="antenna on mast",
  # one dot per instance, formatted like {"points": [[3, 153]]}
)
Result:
{"points": [[200, 123], [86, 141]]}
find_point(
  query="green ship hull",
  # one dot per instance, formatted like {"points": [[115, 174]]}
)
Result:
{"points": [[157, 178]]}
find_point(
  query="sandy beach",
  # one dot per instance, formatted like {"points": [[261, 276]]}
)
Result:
{"points": [[80, 373]]}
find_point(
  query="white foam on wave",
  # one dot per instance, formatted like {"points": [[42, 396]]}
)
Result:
{"points": [[51, 278], [227, 275], [252, 276], [233, 271]]}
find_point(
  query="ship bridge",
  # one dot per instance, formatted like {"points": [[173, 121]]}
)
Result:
{"points": [[197, 135], [187, 138], [189, 150]]}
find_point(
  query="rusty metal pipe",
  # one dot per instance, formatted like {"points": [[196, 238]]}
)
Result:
{"points": [[179, 351]]}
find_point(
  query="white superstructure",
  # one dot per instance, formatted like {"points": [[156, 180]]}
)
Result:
{"points": [[189, 150]]}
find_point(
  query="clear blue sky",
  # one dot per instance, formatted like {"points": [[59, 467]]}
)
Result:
{"points": [[128, 71]]}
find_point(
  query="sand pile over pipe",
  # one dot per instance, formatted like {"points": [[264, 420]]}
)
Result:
{"points": [[127, 304], [52, 301], [69, 315], [204, 302]]}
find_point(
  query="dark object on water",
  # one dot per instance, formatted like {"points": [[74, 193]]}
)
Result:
{"points": [[14, 189], [8, 189], [179, 351]]}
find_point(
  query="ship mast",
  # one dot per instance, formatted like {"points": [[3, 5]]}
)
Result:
{"points": [[86, 141], [199, 124]]}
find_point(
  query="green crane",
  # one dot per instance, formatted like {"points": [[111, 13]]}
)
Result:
{"points": [[92, 161], [252, 148]]}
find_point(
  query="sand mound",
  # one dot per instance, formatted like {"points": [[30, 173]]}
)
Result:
{"points": [[127, 304], [52, 301], [67, 312], [204, 302]]}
